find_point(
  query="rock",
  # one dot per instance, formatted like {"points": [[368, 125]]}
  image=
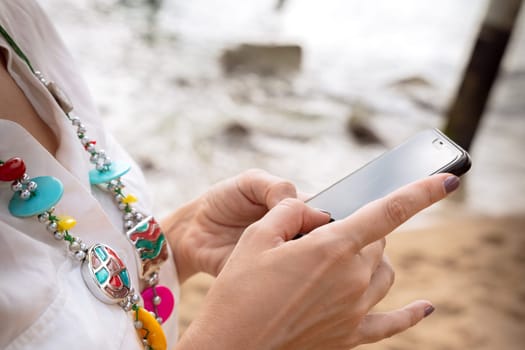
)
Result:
{"points": [[359, 128], [262, 59], [420, 91]]}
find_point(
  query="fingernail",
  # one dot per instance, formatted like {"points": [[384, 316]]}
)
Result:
{"points": [[451, 183], [324, 211], [327, 213], [428, 310]]}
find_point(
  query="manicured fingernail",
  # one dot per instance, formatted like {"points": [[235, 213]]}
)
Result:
{"points": [[451, 183], [428, 310]]}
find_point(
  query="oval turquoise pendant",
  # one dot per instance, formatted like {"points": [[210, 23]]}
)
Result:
{"points": [[105, 274], [48, 192], [116, 170]]}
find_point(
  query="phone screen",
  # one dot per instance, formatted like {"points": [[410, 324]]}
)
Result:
{"points": [[426, 153]]}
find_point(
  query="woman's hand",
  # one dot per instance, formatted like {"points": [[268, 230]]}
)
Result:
{"points": [[202, 234], [315, 292]]}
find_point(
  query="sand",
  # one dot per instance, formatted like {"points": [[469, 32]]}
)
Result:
{"points": [[472, 269]]}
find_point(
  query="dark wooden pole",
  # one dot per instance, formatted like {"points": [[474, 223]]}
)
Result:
{"points": [[466, 110]]}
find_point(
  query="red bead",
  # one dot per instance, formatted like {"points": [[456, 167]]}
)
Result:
{"points": [[92, 142], [12, 169]]}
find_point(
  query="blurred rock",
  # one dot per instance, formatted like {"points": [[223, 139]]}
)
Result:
{"points": [[262, 59], [420, 91], [234, 134], [358, 125]]}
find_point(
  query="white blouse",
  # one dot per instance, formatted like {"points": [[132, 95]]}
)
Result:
{"points": [[44, 303]]}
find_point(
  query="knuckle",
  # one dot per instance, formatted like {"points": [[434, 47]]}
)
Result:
{"points": [[292, 203], [395, 211], [253, 172], [283, 186], [360, 283], [391, 275], [429, 194], [413, 318]]}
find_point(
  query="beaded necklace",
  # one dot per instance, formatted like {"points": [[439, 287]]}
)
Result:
{"points": [[103, 271]]}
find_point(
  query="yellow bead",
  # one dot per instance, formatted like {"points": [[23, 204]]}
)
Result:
{"points": [[65, 223], [151, 329], [129, 199]]}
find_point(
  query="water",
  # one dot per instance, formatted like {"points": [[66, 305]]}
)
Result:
{"points": [[157, 74]]}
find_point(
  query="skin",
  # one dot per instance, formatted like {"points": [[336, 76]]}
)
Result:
{"points": [[316, 292], [15, 106], [273, 292]]}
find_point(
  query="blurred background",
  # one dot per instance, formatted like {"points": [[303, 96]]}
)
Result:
{"points": [[310, 90]]}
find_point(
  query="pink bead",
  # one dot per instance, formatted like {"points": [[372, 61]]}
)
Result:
{"points": [[167, 303]]}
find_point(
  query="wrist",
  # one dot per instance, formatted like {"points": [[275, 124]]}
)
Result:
{"points": [[178, 227]]}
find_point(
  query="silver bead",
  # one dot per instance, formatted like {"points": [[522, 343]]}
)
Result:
{"points": [[74, 246], [25, 194], [52, 227], [80, 255], [119, 197], [107, 161], [135, 298], [145, 343], [59, 235], [99, 167], [157, 300], [31, 186], [127, 306], [83, 246], [43, 217], [16, 186], [159, 320], [24, 179], [133, 211], [81, 128], [139, 216], [138, 324], [93, 159], [128, 216], [152, 314], [102, 153], [122, 206], [129, 224], [153, 279], [90, 147], [39, 74], [85, 140], [75, 121]]}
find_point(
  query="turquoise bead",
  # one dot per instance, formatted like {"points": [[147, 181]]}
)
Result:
{"points": [[117, 170], [47, 194]]}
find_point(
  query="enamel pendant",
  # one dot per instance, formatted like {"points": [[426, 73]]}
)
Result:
{"points": [[106, 275], [150, 246]]}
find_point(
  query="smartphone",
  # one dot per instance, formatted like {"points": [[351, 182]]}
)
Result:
{"points": [[426, 153]]}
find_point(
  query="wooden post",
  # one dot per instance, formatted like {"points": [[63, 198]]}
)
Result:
{"points": [[467, 109]]}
